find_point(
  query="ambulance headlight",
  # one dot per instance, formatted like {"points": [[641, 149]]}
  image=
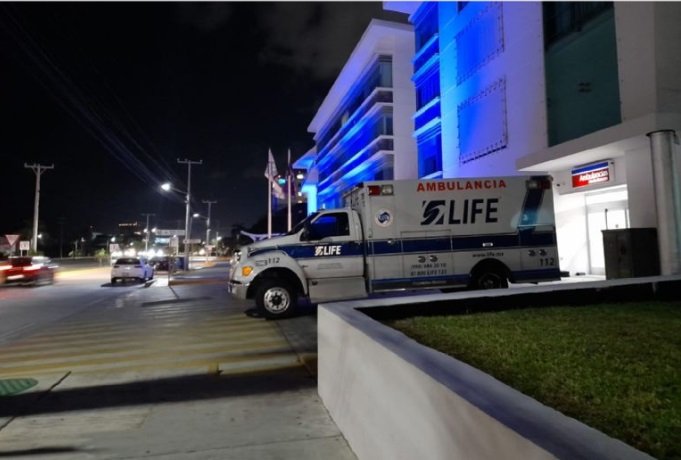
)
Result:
{"points": [[246, 270]]}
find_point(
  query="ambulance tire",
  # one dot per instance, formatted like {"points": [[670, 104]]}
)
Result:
{"points": [[489, 277], [275, 298]]}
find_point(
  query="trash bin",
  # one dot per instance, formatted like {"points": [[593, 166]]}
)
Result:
{"points": [[631, 253], [179, 263]]}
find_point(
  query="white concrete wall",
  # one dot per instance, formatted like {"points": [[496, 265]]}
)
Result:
{"points": [[521, 64], [393, 398], [640, 187], [387, 409], [404, 107]]}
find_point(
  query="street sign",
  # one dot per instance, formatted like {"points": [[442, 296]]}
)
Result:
{"points": [[11, 239], [113, 247], [174, 243], [169, 232], [192, 241], [24, 245]]}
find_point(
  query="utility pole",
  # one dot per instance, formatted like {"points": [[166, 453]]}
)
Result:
{"points": [[208, 202], [147, 231], [189, 164], [38, 169]]}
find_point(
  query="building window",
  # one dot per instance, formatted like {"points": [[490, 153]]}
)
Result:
{"points": [[385, 72], [427, 90], [388, 125], [564, 18], [581, 69], [430, 154], [379, 75], [426, 24]]}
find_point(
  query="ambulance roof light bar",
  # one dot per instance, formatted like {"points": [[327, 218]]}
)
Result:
{"points": [[385, 189]]}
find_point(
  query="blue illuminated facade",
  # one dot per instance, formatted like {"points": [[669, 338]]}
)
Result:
{"points": [[508, 88], [357, 144], [363, 129], [427, 126]]}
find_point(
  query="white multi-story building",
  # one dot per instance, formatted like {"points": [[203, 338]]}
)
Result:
{"points": [[363, 128], [589, 92]]}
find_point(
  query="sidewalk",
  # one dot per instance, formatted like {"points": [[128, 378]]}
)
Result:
{"points": [[167, 414]]}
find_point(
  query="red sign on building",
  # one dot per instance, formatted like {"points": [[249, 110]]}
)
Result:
{"points": [[591, 174]]}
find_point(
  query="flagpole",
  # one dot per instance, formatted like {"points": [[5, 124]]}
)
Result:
{"points": [[269, 201], [288, 182]]}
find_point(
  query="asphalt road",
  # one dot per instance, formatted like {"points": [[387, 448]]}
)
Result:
{"points": [[85, 296], [27, 310], [157, 371]]}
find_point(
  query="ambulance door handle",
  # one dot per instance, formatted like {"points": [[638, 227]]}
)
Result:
{"points": [[303, 266]]}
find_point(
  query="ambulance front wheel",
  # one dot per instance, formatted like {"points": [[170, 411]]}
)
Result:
{"points": [[275, 298]]}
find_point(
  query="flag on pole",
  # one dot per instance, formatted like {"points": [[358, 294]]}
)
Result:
{"points": [[289, 177], [271, 174]]}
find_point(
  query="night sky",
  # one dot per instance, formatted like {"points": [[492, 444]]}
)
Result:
{"points": [[113, 94]]}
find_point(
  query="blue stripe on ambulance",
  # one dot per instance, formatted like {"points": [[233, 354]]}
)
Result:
{"points": [[420, 245]]}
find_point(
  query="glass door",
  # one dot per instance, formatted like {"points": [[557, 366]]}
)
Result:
{"points": [[605, 211]]}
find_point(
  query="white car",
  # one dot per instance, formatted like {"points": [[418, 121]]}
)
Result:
{"points": [[136, 268]]}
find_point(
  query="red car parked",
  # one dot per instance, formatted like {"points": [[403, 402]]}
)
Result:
{"points": [[27, 270]]}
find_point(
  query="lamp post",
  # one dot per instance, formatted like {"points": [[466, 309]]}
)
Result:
{"points": [[209, 203], [189, 164], [168, 187], [146, 231]]}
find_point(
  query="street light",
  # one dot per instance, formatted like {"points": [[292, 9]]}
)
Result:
{"points": [[168, 187]]}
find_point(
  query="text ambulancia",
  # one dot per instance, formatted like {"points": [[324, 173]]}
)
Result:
{"points": [[410, 234]]}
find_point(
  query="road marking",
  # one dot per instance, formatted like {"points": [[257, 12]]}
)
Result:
{"points": [[156, 338]]}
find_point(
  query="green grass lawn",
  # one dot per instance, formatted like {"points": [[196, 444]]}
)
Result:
{"points": [[615, 367]]}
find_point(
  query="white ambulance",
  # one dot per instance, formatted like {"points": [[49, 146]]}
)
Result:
{"points": [[407, 234]]}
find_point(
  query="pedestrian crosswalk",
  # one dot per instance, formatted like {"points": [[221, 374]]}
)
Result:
{"points": [[200, 336]]}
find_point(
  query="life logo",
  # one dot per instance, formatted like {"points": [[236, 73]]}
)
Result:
{"points": [[320, 251], [384, 218], [433, 212]]}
